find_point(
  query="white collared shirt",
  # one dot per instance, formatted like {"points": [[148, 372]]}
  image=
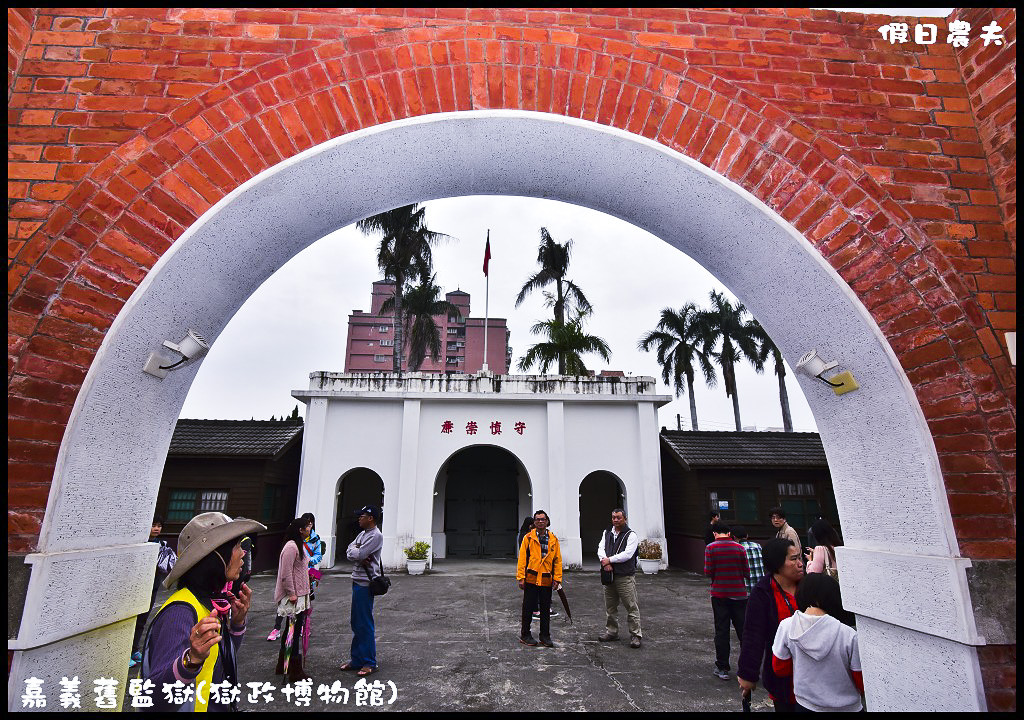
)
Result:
{"points": [[631, 543]]}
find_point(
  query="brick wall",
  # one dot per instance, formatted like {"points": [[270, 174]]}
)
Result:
{"points": [[896, 161]]}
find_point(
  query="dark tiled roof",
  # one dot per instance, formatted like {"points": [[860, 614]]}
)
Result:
{"points": [[250, 438], [745, 449]]}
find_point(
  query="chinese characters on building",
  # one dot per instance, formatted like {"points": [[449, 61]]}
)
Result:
{"points": [[472, 427], [958, 33], [301, 694]]}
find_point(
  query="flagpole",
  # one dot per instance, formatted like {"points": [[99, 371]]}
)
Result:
{"points": [[487, 301]]}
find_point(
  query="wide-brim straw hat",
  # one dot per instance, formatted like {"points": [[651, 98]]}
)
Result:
{"points": [[202, 535]]}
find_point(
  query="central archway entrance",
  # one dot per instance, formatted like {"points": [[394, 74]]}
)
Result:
{"points": [[481, 491]]}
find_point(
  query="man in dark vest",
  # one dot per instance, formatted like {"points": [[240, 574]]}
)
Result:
{"points": [[617, 551]]}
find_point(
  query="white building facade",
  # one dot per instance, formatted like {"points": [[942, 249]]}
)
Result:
{"points": [[460, 461]]}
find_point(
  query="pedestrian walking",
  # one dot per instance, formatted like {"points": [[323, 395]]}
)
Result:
{"points": [[823, 556], [617, 551], [818, 651], [755, 561], [771, 601], [312, 546], [539, 573], [364, 552], [292, 597], [777, 515], [196, 635], [725, 562]]}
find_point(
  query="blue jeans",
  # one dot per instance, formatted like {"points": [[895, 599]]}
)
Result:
{"points": [[364, 644]]}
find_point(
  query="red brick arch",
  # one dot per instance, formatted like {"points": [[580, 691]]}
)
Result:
{"points": [[73, 275]]}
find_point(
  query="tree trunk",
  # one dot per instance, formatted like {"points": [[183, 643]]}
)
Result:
{"points": [[693, 403], [787, 418], [736, 409], [560, 319], [396, 360]]}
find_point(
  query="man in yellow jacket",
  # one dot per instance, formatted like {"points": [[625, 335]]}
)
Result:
{"points": [[539, 573]]}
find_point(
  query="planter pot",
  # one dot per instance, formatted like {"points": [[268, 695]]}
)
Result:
{"points": [[649, 566], [416, 567]]}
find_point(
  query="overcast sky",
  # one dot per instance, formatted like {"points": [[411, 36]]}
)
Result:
{"points": [[296, 323]]}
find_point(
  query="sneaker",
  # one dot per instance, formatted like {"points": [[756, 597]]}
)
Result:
{"points": [[607, 637], [136, 659], [274, 635], [536, 615], [634, 642], [721, 674], [527, 639]]}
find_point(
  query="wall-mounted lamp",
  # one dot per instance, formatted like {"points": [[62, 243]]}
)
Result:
{"points": [[813, 366], [192, 347]]}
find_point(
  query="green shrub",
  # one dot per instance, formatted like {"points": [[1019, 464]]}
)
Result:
{"points": [[418, 551]]}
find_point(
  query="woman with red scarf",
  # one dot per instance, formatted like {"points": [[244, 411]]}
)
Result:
{"points": [[771, 601]]}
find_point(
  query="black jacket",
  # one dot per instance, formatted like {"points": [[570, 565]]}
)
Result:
{"points": [[759, 626]]}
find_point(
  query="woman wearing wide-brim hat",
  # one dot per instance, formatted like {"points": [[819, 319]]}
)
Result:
{"points": [[195, 636]]}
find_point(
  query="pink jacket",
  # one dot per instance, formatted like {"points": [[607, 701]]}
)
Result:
{"points": [[292, 573], [817, 565]]}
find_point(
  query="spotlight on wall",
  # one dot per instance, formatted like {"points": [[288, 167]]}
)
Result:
{"points": [[813, 366], [192, 347]]}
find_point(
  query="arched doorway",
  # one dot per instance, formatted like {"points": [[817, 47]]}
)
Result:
{"points": [[600, 493], [481, 492], [356, 489], [885, 466]]}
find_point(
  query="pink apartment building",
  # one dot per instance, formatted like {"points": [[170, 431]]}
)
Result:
{"points": [[371, 338]]}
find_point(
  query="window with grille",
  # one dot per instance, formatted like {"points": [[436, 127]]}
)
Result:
{"points": [[800, 502], [213, 501], [735, 505], [387, 343], [383, 328], [181, 506], [380, 358]]}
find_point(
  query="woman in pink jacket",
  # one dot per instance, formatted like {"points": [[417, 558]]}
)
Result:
{"points": [[292, 597]]}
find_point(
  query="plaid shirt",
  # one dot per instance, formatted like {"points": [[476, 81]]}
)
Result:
{"points": [[754, 562]]}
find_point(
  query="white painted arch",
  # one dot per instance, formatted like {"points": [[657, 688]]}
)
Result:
{"points": [[884, 466]]}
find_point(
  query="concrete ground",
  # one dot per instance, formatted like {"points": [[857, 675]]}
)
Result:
{"points": [[448, 640]]}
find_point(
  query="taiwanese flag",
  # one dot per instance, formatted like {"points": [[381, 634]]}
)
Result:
{"points": [[487, 252]]}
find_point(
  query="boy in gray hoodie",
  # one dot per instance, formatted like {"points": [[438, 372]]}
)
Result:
{"points": [[819, 651]]}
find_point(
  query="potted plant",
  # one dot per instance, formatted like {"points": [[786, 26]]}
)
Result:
{"points": [[649, 556], [416, 557]]}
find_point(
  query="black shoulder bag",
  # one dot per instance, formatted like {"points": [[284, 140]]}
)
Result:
{"points": [[379, 584]]}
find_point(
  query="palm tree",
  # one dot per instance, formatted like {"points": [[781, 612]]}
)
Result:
{"points": [[768, 348], [566, 342], [422, 305], [404, 254], [553, 259], [680, 352], [725, 322]]}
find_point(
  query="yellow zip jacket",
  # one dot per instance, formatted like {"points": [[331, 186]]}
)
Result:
{"points": [[539, 570]]}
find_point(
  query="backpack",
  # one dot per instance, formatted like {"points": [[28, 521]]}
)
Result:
{"points": [[165, 560]]}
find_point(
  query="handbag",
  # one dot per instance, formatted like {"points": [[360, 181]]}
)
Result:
{"points": [[832, 572], [607, 577], [379, 584]]}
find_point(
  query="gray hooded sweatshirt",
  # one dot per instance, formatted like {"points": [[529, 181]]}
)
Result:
{"points": [[824, 652]]}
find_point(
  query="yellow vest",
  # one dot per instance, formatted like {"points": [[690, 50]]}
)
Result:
{"points": [[205, 677]]}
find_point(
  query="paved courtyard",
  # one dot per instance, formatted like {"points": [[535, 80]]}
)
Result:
{"points": [[448, 640]]}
